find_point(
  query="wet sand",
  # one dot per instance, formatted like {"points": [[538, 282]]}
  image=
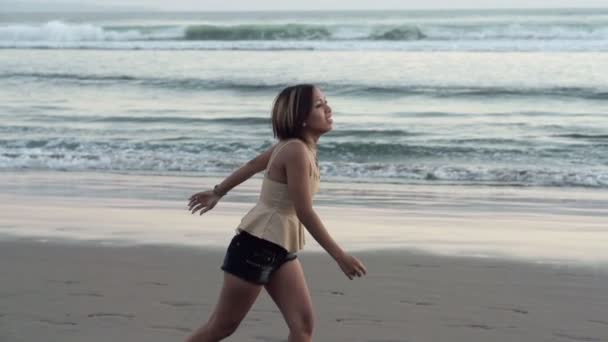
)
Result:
{"points": [[80, 292]]}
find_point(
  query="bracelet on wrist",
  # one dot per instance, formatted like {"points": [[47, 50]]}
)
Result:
{"points": [[217, 192]]}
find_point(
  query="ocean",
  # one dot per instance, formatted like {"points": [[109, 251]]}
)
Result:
{"points": [[491, 98], [479, 133]]}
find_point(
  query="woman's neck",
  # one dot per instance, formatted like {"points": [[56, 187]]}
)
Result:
{"points": [[311, 140]]}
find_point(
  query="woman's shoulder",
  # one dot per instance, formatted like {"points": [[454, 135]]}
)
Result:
{"points": [[291, 143], [290, 148]]}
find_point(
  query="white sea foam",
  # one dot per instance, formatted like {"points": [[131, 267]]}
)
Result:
{"points": [[408, 37]]}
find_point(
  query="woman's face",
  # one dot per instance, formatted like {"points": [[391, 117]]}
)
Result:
{"points": [[320, 119]]}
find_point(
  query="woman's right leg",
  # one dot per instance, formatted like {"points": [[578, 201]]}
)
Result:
{"points": [[236, 298]]}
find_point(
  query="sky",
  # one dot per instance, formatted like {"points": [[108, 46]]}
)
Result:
{"points": [[315, 5]]}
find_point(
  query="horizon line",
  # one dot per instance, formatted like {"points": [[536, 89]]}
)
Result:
{"points": [[184, 10]]}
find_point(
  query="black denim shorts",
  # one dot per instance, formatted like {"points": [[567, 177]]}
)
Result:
{"points": [[253, 259]]}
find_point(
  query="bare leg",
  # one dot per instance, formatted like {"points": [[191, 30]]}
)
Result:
{"points": [[236, 298], [288, 289]]}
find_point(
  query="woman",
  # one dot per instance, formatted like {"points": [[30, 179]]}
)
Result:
{"points": [[263, 253]]}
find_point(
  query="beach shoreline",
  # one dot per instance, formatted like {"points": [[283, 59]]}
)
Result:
{"points": [[535, 225]]}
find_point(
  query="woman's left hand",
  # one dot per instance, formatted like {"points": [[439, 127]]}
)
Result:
{"points": [[203, 201]]}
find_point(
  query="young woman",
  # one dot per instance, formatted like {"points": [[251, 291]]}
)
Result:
{"points": [[263, 252]]}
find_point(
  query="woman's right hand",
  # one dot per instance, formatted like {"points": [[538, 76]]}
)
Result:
{"points": [[203, 201], [351, 266]]}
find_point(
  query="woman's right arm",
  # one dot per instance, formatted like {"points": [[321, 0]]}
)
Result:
{"points": [[206, 200], [297, 168], [245, 172]]}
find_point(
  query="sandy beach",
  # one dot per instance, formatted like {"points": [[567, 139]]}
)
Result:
{"points": [[87, 257], [74, 292]]}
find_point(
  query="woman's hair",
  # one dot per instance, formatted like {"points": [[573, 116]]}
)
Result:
{"points": [[290, 110]]}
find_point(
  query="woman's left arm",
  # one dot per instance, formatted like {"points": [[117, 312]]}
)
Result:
{"points": [[206, 200]]}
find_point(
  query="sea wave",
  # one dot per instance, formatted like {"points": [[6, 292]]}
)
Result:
{"points": [[257, 32], [161, 157], [594, 93], [58, 31], [591, 137], [168, 119]]}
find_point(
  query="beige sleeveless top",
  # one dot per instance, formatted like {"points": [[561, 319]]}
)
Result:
{"points": [[274, 217]]}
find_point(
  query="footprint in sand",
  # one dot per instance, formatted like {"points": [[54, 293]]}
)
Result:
{"points": [[66, 282], [110, 314], [422, 266], [506, 308], [85, 294], [598, 321], [170, 327], [178, 304], [359, 321], [473, 326], [577, 337], [324, 292], [155, 283], [419, 303], [480, 326], [53, 322]]}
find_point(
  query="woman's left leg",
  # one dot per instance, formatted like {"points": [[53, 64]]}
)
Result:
{"points": [[288, 289]]}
